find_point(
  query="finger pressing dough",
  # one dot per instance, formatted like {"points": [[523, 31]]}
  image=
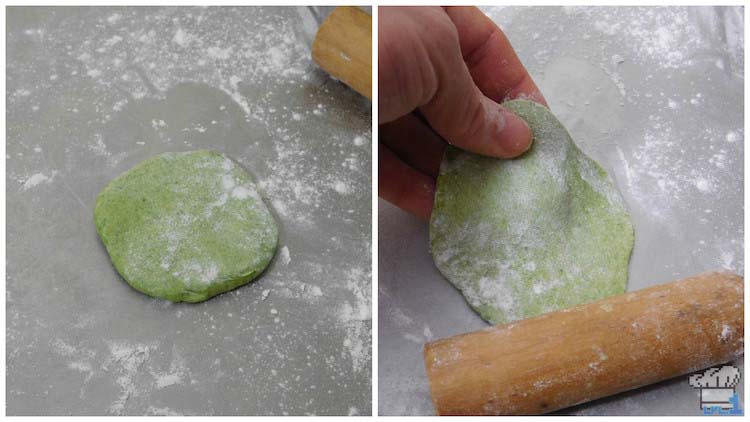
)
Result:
{"points": [[526, 236], [186, 226]]}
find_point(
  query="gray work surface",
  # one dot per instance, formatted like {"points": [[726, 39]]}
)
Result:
{"points": [[94, 91], [656, 96]]}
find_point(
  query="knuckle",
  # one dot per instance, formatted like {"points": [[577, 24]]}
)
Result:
{"points": [[471, 122], [406, 74]]}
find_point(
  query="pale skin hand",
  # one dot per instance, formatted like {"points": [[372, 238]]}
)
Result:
{"points": [[442, 73]]}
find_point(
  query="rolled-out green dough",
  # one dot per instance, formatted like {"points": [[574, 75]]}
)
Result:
{"points": [[526, 236], [186, 226]]}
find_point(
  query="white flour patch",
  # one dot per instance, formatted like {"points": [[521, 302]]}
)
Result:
{"points": [[341, 187], [399, 317], [37, 179], [219, 53], [177, 374], [727, 260], [80, 366], [284, 256], [243, 192], [726, 332], [703, 185], [100, 148], [181, 38], [413, 338], [167, 380], [114, 18], [195, 271], [162, 411]]}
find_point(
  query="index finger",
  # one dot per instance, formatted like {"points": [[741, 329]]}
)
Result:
{"points": [[492, 62]]}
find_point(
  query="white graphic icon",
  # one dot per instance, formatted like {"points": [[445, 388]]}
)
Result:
{"points": [[717, 386]]}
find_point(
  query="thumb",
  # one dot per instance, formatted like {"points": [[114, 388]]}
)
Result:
{"points": [[434, 78], [475, 123]]}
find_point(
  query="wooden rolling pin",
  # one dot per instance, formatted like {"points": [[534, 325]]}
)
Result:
{"points": [[343, 48], [564, 358]]}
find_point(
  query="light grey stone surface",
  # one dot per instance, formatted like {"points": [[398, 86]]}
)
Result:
{"points": [[92, 92]]}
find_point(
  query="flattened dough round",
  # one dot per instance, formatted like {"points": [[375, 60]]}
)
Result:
{"points": [[186, 226], [523, 237]]}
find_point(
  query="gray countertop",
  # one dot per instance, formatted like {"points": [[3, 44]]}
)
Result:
{"points": [[656, 96], [92, 92]]}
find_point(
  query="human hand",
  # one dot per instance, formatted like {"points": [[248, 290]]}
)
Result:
{"points": [[442, 73]]}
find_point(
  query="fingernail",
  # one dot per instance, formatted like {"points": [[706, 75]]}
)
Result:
{"points": [[515, 135]]}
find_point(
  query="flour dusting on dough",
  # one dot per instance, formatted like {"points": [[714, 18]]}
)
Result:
{"points": [[542, 232], [194, 231]]}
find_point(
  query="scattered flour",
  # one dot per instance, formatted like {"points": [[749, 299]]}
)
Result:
{"points": [[131, 56], [661, 170], [669, 175], [125, 363], [671, 43], [540, 287], [356, 317]]}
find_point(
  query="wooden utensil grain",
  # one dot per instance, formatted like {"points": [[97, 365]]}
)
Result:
{"points": [[343, 48], [590, 351]]}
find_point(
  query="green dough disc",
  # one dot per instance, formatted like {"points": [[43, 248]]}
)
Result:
{"points": [[186, 226], [539, 233]]}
